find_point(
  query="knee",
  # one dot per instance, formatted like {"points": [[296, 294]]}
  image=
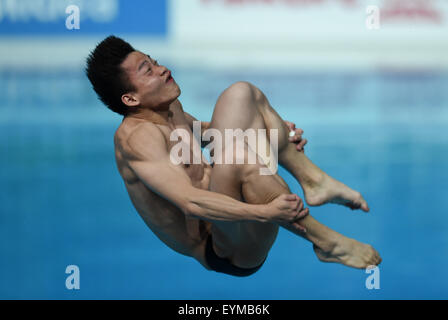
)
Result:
{"points": [[244, 91]]}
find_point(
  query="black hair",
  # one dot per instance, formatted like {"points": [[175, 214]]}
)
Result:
{"points": [[106, 75]]}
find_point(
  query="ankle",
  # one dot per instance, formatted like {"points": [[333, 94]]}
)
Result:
{"points": [[312, 180], [328, 245]]}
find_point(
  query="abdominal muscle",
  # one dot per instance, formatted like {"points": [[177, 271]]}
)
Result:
{"points": [[183, 234]]}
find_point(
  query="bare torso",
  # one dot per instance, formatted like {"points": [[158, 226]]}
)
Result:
{"points": [[186, 235], [183, 234]]}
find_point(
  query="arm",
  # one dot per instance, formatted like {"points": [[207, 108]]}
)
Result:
{"points": [[150, 160]]}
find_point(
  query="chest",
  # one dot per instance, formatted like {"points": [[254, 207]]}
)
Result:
{"points": [[185, 150]]}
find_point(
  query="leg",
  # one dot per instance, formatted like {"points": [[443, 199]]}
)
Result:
{"points": [[246, 244], [328, 245], [251, 109]]}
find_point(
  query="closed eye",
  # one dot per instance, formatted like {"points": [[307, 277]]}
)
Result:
{"points": [[154, 62]]}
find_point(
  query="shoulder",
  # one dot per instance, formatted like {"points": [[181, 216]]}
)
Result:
{"points": [[139, 140]]}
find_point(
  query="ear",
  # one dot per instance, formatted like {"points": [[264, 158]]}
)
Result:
{"points": [[130, 100]]}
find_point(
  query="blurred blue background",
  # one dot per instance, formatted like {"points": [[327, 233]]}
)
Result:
{"points": [[373, 104]]}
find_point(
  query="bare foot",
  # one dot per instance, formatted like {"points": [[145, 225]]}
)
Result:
{"points": [[329, 190], [351, 253]]}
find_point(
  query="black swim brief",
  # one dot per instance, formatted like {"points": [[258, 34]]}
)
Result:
{"points": [[224, 265]]}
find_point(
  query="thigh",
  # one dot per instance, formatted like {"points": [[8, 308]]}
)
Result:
{"points": [[245, 243], [242, 111], [260, 189], [243, 106], [236, 108], [226, 234]]}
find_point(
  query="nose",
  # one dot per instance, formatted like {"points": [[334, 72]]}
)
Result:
{"points": [[163, 70]]}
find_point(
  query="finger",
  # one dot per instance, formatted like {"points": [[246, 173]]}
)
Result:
{"points": [[295, 208], [302, 144], [296, 134], [303, 213], [296, 138], [292, 126], [299, 227], [300, 215], [290, 197], [298, 206], [293, 205], [291, 136]]}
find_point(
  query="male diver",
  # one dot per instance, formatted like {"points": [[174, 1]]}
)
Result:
{"points": [[226, 216]]}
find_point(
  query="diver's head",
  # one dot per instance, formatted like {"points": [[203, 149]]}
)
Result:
{"points": [[127, 80]]}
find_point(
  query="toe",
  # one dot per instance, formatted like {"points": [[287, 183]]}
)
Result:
{"points": [[377, 258], [365, 207]]}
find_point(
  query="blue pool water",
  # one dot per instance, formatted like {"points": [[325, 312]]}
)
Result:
{"points": [[63, 203]]}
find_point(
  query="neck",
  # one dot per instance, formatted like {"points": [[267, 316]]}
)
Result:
{"points": [[162, 117]]}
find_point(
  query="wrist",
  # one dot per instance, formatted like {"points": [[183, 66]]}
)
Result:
{"points": [[261, 212]]}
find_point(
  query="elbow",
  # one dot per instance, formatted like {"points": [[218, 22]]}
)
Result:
{"points": [[190, 206], [191, 210]]}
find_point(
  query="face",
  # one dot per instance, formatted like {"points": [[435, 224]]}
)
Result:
{"points": [[154, 86]]}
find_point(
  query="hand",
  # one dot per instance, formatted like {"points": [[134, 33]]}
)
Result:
{"points": [[287, 208], [297, 138]]}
